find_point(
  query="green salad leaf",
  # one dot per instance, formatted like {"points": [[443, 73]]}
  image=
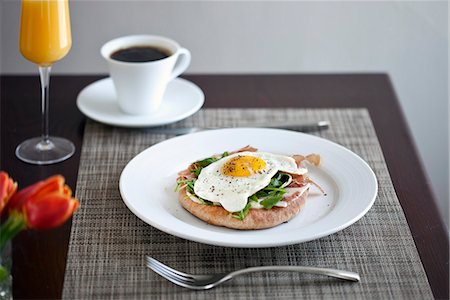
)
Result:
{"points": [[272, 199], [200, 164], [279, 180], [240, 215], [274, 192], [189, 185]]}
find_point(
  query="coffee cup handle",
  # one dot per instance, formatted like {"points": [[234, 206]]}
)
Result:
{"points": [[182, 63]]}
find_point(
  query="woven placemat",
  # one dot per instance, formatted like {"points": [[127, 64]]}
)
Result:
{"points": [[108, 243]]}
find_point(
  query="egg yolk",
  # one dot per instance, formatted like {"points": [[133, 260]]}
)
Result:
{"points": [[243, 166]]}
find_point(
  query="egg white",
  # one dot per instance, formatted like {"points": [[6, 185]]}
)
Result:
{"points": [[232, 192]]}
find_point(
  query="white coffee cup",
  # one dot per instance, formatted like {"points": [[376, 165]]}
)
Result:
{"points": [[140, 86]]}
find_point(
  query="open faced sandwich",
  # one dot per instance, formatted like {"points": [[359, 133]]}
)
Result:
{"points": [[246, 189]]}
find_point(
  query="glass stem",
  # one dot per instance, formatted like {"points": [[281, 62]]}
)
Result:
{"points": [[44, 72]]}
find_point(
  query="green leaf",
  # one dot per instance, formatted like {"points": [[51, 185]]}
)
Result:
{"points": [[277, 183], [270, 189], [205, 202], [240, 215], [188, 184], [206, 162], [273, 198], [11, 227], [3, 273], [196, 171], [253, 198], [278, 180], [200, 164], [261, 194]]}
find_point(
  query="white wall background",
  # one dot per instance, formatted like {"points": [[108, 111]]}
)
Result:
{"points": [[408, 40]]}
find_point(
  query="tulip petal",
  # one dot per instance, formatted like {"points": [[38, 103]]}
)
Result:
{"points": [[38, 189], [49, 211], [45, 204], [7, 189], [67, 191], [52, 184]]}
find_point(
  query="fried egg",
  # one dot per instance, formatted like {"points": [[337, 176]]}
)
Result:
{"points": [[232, 179]]}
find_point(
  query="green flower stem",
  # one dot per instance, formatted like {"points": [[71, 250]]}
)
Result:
{"points": [[15, 223], [3, 273]]}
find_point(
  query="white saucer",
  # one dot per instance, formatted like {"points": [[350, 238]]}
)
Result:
{"points": [[98, 102]]}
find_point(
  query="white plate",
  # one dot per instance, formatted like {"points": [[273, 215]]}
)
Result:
{"points": [[147, 186], [181, 99]]}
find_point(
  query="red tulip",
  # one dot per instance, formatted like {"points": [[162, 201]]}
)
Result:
{"points": [[7, 188], [49, 211], [43, 205], [49, 185]]}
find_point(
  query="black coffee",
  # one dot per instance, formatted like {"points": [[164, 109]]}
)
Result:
{"points": [[140, 54]]}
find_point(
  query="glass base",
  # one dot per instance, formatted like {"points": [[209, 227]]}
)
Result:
{"points": [[44, 152]]}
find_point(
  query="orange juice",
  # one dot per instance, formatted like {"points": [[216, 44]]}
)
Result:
{"points": [[45, 30]]}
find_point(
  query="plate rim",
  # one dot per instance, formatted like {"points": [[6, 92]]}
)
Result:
{"points": [[143, 124], [269, 244]]}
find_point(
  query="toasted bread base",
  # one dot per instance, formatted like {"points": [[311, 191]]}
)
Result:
{"points": [[256, 218]]}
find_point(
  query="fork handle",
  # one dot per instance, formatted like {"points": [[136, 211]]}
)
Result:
{"points": [[341, 274]]}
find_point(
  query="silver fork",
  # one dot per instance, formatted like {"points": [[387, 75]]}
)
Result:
{"points": [[205, 282]]}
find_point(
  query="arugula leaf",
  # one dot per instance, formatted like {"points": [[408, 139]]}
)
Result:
{"points": [[188, 184], [196, 171], [273, 198], [274, 192], [277, 183], [278, 180], [205, 202], [240, 215], [206, 162], [200, 164], [253, 198]]}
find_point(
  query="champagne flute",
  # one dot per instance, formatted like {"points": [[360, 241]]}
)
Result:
{"points": [[44, 39]]}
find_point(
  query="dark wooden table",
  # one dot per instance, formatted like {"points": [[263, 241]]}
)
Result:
{"points": [[40, 257]]}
